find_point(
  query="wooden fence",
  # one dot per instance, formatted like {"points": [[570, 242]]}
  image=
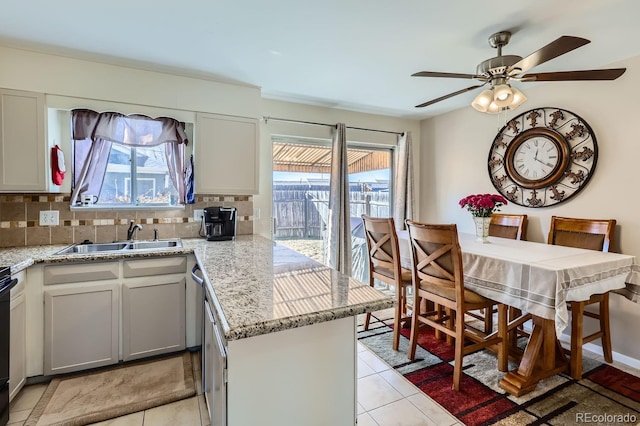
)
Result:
{"points": [[303, 213]]}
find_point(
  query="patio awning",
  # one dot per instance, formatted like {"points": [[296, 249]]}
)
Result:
{"points": [[288, 157]]}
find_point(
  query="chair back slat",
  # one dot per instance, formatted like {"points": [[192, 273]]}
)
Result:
{"points": [[593, 234], [513, 226]]}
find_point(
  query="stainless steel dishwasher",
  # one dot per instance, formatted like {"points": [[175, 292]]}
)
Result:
{"points": [[214, 358]]}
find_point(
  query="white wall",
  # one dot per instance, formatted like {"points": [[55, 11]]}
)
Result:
{"points": [[454, 164], [293, 111], [68, 77]]}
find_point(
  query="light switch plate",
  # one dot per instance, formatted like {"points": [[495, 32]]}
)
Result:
{"points": [[49, 218], [198, 214]]}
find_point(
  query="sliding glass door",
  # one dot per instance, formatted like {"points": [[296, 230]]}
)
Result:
{"points": [[301, 172]]}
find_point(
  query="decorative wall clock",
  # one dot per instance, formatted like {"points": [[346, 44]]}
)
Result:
{"points": [[543, 157]]}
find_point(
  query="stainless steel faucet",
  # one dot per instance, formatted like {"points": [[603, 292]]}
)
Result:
{"points": [[132, 229]]}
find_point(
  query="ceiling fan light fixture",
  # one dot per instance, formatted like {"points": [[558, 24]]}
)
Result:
{"points": [[483, 100], [518, 98], [494, 109], [502, 95]]}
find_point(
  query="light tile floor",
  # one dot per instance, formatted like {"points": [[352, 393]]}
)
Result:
{"points": [[385, 398]]}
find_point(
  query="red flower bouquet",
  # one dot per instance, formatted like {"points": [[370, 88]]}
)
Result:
{"points": [[482, 205]]}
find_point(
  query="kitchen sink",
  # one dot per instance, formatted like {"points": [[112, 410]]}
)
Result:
{"points": [[121, 246], [153, 244], [93, 248]]}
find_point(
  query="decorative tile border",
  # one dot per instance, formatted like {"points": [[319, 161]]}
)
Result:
{"points": [[19, 213]]}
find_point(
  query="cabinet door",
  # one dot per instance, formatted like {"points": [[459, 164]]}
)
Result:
{"points": [[18, 338], [153, 316], [22, 141], [80, 326], [226, 155]]}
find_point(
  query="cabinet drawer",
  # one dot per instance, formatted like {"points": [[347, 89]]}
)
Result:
{"points": [[81, 272], [155, 266]]}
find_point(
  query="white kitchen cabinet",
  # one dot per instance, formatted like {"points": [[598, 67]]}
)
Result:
{"points": [[226, 155], [322, 355], [22, 141], [153, 306], [153, 316], [100, 312], [81, 317], [18, 336]]}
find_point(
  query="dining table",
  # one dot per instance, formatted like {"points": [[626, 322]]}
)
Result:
{"points": [[539, 279]]}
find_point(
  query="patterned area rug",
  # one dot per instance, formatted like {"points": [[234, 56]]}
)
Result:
{"points": [[605, 395], [82, 399]]}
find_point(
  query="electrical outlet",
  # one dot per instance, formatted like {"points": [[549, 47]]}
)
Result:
{"points": [[198, 214], [49, 218]]}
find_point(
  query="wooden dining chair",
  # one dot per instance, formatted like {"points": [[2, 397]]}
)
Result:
{"points": [[512, 226], [438, 277], [384, 265], [594, 234]]}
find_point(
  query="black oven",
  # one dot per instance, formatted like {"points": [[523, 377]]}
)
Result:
{"points": [[6, 283]]}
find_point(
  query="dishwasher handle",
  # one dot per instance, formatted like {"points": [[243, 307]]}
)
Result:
{"points": [[198, 279]]}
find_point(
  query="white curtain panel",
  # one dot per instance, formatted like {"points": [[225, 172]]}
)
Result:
{"points": [[403, 183], [339, 226]]}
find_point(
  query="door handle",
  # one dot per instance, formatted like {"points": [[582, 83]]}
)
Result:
{"points": [[197, 278]]}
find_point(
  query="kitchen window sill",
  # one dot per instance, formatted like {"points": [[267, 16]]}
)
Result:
{"points": [[126, 207]]}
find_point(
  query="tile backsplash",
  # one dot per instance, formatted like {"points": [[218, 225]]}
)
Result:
{"points": [[20, 214]]}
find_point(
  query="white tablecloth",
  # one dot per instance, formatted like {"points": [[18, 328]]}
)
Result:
{"points": [[540, 278]]}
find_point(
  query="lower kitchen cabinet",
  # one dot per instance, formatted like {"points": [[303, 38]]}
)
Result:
{"points": [[153, 306], [80, 326], [153, 316], [18, 337], [306, 375], [101, 312]]}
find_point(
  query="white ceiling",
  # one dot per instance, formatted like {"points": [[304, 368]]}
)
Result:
{"points": [[351, 54]]}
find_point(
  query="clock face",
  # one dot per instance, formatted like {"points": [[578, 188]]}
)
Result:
{"points": [[542, 157], [536, 158]]}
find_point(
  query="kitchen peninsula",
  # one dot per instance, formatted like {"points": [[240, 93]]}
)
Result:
{"points": [[287, 325]]}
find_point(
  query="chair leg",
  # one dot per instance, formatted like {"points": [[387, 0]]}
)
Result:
{"points": [[577, 322], [514, 313], [413, 340], [604, 328], [503, 348], [451, 322], [438, 309], [398, 314], [459, 352], [367, 317], [488, 320]]}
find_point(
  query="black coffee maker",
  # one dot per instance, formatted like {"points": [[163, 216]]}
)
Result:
{"points": [[220, 223]]}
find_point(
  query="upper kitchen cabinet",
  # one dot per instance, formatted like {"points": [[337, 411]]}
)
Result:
{"points": [[22, 141], [226, 155]]}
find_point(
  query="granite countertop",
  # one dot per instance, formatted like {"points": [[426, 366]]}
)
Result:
{"points": [[259, 286]]}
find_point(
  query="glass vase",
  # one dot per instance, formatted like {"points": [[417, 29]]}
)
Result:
{"points": [[482, 228]]}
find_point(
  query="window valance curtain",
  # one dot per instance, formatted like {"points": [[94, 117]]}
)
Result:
{"points": [[133, 130], [93, 133]]}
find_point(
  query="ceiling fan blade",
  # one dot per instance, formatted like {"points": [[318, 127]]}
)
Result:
{"points": [[558, 47], [450, 95], [442, 74], [608, 74]]}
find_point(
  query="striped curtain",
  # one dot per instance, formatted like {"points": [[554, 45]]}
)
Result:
{"points": [[338, 252], [403, 190]]}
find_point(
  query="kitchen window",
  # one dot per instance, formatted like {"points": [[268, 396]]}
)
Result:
{"points": [[125, 161]]}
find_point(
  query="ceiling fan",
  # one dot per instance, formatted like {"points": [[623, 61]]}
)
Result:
{"points": [[500, 70]]}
